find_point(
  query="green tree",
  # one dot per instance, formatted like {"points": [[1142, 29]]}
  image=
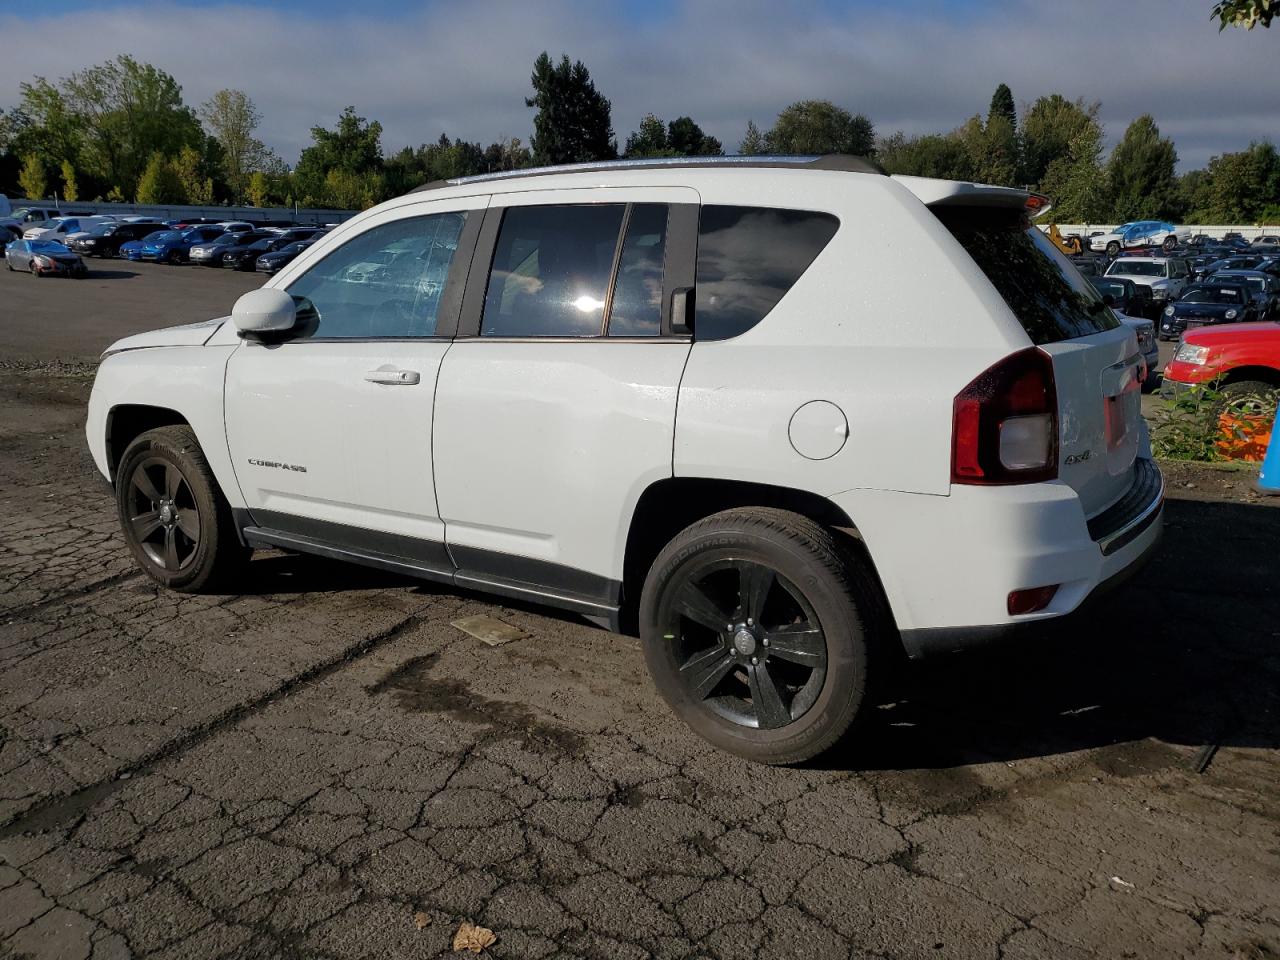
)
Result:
{"points": [[573, 123], [992, 148], [819, 127], [1076, 181], [33, 179], [1242, 185], [43, 125], [231, 118], [70, 189], [258, 188], [933, 155], [1048, 128], [1002, 106], [507, 153], [650, 140], [160, 183], [190, 169], [753, 141], [128, 111], [1141, 173], [687, 139], [353, 147], [1244, 13]]}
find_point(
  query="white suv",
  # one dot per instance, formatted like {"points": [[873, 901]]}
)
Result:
{"points": [[710, 401]]}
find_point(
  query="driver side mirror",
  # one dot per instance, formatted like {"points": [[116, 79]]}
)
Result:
{"points": [[264, 311]]}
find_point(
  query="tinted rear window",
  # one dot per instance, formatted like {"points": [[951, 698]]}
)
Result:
{"points": [[1050, 300], [748, 258]]}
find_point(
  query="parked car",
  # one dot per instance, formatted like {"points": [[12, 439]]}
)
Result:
{"points": [[245, 256], [63, 227], [1125, 296], [1209, 303], [1141, 233], [170, 246], [277, 260], [132, 249], [1238, 262], [668, 354], [1263, 285], [25, 217], [106, 239], [1243, 359], [1271, 239], [7, 235], [43, 258], [1167, 277], [209, 253]]}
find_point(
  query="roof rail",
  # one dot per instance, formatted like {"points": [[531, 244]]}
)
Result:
{"points": [[831, 161]]}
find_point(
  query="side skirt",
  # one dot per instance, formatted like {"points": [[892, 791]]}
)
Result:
{"points": [[488, 572]]}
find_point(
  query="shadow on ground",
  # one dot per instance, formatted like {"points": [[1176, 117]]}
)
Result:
{"points": [[1187, 653]]}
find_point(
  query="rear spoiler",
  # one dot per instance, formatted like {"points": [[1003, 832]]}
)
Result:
{"points": [[958, 193]]}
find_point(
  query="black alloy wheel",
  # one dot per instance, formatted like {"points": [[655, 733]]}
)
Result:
{"points": [[758, 627], [163, 514], [748, 643]]}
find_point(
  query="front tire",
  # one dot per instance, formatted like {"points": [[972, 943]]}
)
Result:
{"points": [[1113, 249], [175, 519], [758, 628]]}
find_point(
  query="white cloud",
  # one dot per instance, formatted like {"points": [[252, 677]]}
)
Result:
{"points": [[463, 67]]}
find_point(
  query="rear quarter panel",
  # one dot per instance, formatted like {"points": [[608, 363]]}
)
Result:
{"points": [[890, 321]]}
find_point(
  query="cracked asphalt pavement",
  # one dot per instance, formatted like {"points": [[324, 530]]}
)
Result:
{"points": [[301, 769]]}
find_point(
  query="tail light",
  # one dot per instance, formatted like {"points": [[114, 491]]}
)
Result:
{"points": [[1005, 423]]}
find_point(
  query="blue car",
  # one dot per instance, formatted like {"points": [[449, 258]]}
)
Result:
{"points": [[168, 246]]}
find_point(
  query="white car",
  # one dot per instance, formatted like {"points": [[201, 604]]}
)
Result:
{"points": [[1167, 277], [63, 228], [658, 394], [1139, 233]]}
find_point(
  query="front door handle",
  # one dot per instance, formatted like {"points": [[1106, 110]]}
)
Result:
{"points": [[393, 377]]}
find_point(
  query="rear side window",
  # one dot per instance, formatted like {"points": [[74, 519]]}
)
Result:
{"points": [[1029, 274], [551, 271], [748, 258]]}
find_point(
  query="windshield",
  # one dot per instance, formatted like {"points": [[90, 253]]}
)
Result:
{"points": [[163, 236], [47, 246], [294, 247], [262, 244], [1050, 299], [102, 229], [1138, 268], [1214, 295]]}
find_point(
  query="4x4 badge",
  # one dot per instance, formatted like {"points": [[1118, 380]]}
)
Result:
{"points": [[1079, 457]]}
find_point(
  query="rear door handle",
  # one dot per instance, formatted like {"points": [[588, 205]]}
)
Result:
{"points": [[393, 377]]}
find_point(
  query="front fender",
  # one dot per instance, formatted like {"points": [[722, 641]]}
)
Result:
{"points": [[187, 380]]}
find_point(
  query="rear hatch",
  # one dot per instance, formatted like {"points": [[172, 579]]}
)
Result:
{"points": [[1097, 366]]}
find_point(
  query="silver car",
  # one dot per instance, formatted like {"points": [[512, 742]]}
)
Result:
{"points": [[44, 258]]}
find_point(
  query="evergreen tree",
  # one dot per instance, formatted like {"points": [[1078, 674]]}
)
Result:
{"points": [[1141, 173], [753, 141], [573, 123], [1076, 181], [1002, 106], [650, 140]]}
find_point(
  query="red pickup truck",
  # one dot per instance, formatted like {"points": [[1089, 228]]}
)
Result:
{"points": [[1245, 355]]}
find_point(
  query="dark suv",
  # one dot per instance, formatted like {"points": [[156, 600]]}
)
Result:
{"points": [[106, 239]]}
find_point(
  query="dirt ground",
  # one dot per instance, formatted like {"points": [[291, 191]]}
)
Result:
{"points": [[322, 766]]}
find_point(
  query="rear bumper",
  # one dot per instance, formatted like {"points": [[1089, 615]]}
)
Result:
{"points": [[949, 563]]}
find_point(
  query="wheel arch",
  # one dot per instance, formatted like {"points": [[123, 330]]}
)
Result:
{"points": [[127, 421], [1255, 372], [669, 505]]}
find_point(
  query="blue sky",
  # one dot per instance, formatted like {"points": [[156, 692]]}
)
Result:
{"points": [[462, 66]]}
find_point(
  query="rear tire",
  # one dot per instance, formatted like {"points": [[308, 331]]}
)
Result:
{"points": [[175, 519], [1169, 243], [758, 629], [1113, 249]]}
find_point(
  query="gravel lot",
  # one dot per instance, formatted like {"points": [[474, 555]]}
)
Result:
{"points": [[324, 767]]}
